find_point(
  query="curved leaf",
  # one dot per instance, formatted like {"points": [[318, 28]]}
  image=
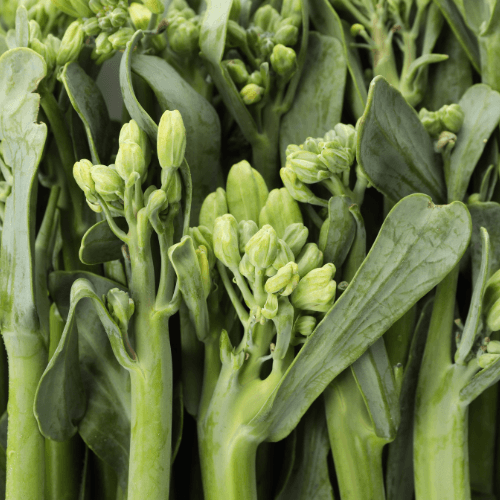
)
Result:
{"points": [[100, 244], [88, 102], [283, 322], [317, 106], [418, 244], [394, 150]]}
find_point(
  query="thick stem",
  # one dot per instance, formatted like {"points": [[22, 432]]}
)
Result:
{"points": [[25, 444], [357, 451]]}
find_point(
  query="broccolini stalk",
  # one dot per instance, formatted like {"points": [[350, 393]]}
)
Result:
{"points": [[117, 190]]}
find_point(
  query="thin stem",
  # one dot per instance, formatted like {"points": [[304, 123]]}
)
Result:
{"points": [[238, 306], [111, 221], [242, 285], [317, 220]]}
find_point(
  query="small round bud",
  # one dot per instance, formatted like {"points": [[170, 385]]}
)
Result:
{"points": [[251, 93], [82, 173], [309, 258], [346, 135], [140, 15], [214, 205], [291, 11], [297, 189], [357, 29], [307, 166], [236, 35], [91, 26], [95, 6], [129, 159], [155, 6], [493, 347], [316, 290], [431, 122], [120, 38], [102, 44], [246, 229], [296, 236], [284, 281], [284, 61], [226, 247], [255, 78], [40, 48], [120, 306], [81, 7], [285, 255], [171, 140], [237, 71], [336, 160], [183, 37], [446, 141], [266, 47], [452, 117], [71, 44], [118, 17], [305, 325], [262, 248], [310, 144], [132, 132], [280, 211], [266, 17], [157, 202], [107, 182], [486, 360], [287, 35]]}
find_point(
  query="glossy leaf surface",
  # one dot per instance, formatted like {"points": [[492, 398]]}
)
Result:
{"points": [[100, 244]]}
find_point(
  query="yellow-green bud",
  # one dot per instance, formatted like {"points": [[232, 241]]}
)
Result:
{"points": [[356, 29], [81, 7], [140, 15], [129, 159], [132, 132], [280, 211], [311, 257], [247, 269], [246, 192], [234, 13], [446, 141], [493, 347], [105, 23], [285, 255], [284, 60], [95, 6], [118, 17], [284, 281], [287, 35], [292, 148], [305, 325], [236, 35], [307, 166], [296, 236], [251, 93], [486, 360], [270, 308], [102, 44], [316, 290], [91, 26], [174, 188], [52, 43], [310, 144], [237, 71], [266, 46], [120, 38], [345, 134], [214, 205], [40, 48], [291, 10], [121, 307], [82, 172], [226, 247], [155, 6], [107, 182], [203, 237], [452, 117], [297, 189], [183, 37], [35, 31], [157, 202], [255, 78], [262, 248], [336, 160], [171, 140], [266, 18], [246, 229], [71, 43], [431, 122]]}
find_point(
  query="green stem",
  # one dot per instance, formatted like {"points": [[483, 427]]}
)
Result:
{"points": [[25, 444], [211, 372], [357, 451]]}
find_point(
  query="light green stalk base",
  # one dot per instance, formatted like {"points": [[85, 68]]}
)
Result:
{"points": [[25, 444], [357, 451]]}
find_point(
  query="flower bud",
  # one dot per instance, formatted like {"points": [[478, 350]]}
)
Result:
{"points": [[184, 37], [83, 177], [305, 325], [307, 166], [284, 60], [246, 192], [247, 269], [52, 43], [132, 132], [280, 211], [174, 188], [95, 6], [284, 281], [71, 44], [347, 136], [157, 202], [140, 15], [41, 48], [291, 11], [293, 148], [297, 189], [336, 160], [81, 7], [255, 78], [105, 23], [309, 258], [285, 255], [270, 308], [310, 144], [155, 6], [493, 347], [486, 360], [107, 182], [203, 237], [356, 29], [237, 71], [251, 93], [120, 306], [202, 255], [102, 44], [266, 18], [296, 236], [246, 229], [129, 159], [236, 35], [118, 17], [316, 290], [287, 35], [262, 248], [253, 37], [171, 140], [91, 26], [431, 122], [120, 38], [446, 141], [213, 206], [226, 247], [452, 117]]}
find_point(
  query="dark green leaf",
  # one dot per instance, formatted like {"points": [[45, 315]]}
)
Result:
{"points": [[394, 150], [480, 382], [100, 244], [418, 244]]}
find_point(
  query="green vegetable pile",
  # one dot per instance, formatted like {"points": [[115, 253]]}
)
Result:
{"points": [[276, 276]]}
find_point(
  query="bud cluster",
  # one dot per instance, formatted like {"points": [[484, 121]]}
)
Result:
{"points": [[183, 30], [448, 118]]}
